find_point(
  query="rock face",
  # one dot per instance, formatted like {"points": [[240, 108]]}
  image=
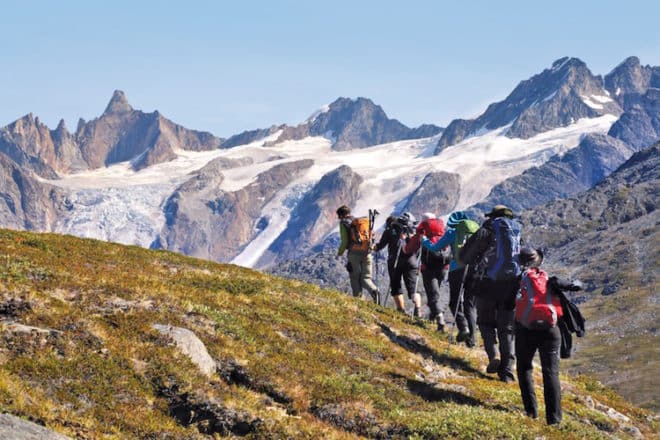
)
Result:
{"points": [[33, 146], [207, 222], [561, 176], [251, 136], [26, 203], [630, 77], [557, 97], [315, 214], [355, 124], [438, 193], [627, 194], [639, 126], [14, 428]]}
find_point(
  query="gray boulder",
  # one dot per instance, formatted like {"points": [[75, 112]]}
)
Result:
{"points": [[14, 428], [190, 345]]}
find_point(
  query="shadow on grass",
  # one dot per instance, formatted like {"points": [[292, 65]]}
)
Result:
{"points": [[419, 347]]}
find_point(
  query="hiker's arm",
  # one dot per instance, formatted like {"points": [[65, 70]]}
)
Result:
{"points": [[565, 285], [343, 242], [445, 240], [383, 241]]}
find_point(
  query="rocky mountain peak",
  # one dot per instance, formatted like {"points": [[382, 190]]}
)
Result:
{"points": [[556, 97], [628, 77], [118, 104]]}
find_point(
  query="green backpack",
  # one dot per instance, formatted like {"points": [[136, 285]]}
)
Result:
{"points": [[464, 229]]}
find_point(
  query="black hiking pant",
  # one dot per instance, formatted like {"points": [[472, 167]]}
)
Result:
{"points": [[432, 277], [495, 317], [547, 342], [403, 270], [466, 317]]}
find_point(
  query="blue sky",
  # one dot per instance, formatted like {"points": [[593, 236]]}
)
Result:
{"points": [[225, 67]]}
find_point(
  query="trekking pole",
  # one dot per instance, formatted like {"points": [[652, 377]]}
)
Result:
{"points": [[459, 303], [419, 269]]}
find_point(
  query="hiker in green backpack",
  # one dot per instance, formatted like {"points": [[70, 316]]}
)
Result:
{"points": [[463, 307], [355, 237]]}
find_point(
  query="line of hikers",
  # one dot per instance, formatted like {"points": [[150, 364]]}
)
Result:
{"points": [[494, 284]]}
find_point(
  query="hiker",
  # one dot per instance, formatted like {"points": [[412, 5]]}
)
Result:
{"points": [[538, 312], [459, 228], [432, 266], [355, 236], [493, 252], [399, 264]]}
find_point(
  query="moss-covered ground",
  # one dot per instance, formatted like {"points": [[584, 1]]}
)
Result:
{"points": [[346, 368]]}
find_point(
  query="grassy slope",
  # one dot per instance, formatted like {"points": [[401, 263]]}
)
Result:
{"points": [[348, 366]]}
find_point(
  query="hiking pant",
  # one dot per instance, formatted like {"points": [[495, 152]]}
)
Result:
{"points": [[403, 270], [361, 264], [432, 277], [495, 317], [466, 318], [547, 342]]}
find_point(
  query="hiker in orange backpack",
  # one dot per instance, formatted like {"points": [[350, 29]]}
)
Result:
{"points": [[537, 311], [355, 236]]}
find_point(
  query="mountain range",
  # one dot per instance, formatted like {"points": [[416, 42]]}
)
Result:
{"points": [[266, 198]]}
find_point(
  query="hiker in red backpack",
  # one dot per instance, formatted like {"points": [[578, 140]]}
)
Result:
{"points": [[463, 307], [492, 252], [356, 237], [433, 266], [538, 311]]}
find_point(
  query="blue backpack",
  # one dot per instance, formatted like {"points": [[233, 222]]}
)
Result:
{"points": [[502, 262]]}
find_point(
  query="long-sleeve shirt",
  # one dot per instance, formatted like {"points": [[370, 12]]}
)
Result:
{"points": [[343, 236], [446, 240]]}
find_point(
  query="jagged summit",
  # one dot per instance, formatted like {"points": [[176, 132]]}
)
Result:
{"points": [[354, 123], [118, 103], [556, 97]]}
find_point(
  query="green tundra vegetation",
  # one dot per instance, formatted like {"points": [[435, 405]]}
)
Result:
{"points": [[293, 360]]}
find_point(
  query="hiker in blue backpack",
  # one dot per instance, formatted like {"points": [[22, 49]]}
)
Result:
{"points": [[538, 314], [493, 253], [463, 308], [355, 236]]}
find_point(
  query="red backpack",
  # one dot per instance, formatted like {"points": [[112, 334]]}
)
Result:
{"points": [[536, 307]]}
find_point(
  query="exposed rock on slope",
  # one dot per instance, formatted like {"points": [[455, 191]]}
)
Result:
{"points": [[204, 221], [315, 214], [26, 203], [562, 176], [438, 193]]}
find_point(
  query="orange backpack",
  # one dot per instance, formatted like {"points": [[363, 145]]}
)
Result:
{"points": [[359, 234]]}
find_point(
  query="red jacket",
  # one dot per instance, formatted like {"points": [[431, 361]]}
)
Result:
{"points": [[433, 228]]}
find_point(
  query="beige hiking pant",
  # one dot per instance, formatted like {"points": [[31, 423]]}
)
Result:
{"points": [[361, 264]]}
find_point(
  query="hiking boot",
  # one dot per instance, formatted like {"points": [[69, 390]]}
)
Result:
{"points": [[493, 366], [463, 336], [470, 342], [506, 378], [417, 313]]}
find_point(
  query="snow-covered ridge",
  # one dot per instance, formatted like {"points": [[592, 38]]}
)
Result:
{"points": [[123, 205]]}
